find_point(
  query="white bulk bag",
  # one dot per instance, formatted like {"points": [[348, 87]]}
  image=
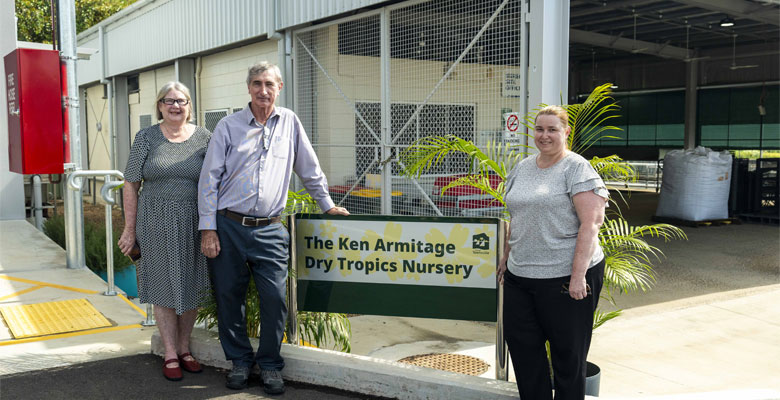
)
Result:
{"points": [[695, 185]]}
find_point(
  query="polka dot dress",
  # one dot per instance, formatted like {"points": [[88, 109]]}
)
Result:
{"points": [[172, 272]]}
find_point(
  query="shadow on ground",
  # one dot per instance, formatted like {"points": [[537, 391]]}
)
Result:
{"points": [[140, 377]]}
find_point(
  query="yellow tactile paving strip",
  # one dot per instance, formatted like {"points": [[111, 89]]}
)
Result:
{"points": [[41, 285], [40, 319]]}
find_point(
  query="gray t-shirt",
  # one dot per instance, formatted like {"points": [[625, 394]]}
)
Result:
{"points": [[544, 222]]}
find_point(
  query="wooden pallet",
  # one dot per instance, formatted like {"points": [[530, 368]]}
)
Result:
{"points": [[761, 218], [697, 224]]}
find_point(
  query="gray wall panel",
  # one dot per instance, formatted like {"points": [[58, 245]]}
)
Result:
{"points": [[88, 71], [296, 12], [143, 35]]}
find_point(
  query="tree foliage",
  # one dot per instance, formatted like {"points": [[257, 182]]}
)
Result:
{"points": [[33, 22]]}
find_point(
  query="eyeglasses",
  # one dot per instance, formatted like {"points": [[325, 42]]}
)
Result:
{"points": [[170, 102], [566, 289]]}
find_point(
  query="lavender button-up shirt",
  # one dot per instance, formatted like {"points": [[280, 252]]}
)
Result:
{"points": [[248, 166]]}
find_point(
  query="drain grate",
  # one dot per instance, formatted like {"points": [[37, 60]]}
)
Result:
{"points": [[459, 363]]}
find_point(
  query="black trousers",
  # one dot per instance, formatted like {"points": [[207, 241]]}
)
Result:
{"points": [[539, 310]]}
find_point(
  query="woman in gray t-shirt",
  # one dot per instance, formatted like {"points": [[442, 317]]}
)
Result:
{"points": [[553, 267]]}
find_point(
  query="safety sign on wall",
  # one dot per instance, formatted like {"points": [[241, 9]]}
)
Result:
{"points": [[511, 86], [514, 130]]}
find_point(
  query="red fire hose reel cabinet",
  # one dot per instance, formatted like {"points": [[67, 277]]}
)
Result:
{"points": [[34, 97]]}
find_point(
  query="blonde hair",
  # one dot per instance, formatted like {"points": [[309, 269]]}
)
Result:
{"points": [[556, 111], [178, 86]]}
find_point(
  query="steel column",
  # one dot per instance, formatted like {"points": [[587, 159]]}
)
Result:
{"points": [[385, 110], [74, 209]]}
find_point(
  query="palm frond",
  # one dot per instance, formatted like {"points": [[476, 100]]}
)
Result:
{"points": [[613, 168], [300, 202], [429, 152], [480, 181], [588, 119], [599, 317], [628, 256]]}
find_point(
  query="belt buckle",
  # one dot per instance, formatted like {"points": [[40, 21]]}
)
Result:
{"points": [[244, 219]]}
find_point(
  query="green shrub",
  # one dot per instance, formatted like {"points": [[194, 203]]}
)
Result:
{"points": [[323, 330], [94, 244]]}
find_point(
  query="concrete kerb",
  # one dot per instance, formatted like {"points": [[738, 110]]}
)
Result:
{"points": [[360, 374]]}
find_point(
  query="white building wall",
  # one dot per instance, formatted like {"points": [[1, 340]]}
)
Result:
{"points": [[223, 75], [98, 129], [142, 102]]}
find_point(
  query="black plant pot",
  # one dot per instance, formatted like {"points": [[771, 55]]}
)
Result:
{"points": [[592, 379]]}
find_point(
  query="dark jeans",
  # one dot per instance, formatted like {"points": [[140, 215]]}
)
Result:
{"points": [[263, 253], [538, 310]]}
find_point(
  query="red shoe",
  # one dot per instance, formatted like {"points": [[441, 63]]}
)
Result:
{"points": [[189, 365], [171, 373]]}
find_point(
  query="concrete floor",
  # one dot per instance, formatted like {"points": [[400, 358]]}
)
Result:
{"points": [[32, 270], [710, 323]]}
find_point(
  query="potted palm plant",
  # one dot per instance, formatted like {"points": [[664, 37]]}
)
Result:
{"points": [[628, 256]]}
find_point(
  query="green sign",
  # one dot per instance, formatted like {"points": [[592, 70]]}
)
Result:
{"points": [[400, 266]]}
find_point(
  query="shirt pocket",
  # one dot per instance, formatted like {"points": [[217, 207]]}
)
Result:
{"points": [[280, 147]]}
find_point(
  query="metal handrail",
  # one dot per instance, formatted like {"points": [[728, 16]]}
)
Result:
{"points": [[107, 192]]}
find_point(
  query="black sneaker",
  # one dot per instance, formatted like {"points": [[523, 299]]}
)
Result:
{"points": [[238, 377], [272, 381]]}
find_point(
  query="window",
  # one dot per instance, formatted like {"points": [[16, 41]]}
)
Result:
{"points": [[655, 120], [132, 84], [731, 118]]}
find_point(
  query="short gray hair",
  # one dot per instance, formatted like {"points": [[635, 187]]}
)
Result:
{"points": [[261, 67], [178, 86]]}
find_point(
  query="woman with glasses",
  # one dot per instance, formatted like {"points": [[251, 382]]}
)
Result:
{"points": [[553, 267], [166, 159]]}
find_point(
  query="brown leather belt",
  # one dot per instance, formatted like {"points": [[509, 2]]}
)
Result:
{"points": [[248, 220]]}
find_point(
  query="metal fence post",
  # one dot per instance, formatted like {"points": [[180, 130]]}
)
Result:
{"points": [[292, 287], [149, 321], [37, 204], [501, 361], [108, 197]]}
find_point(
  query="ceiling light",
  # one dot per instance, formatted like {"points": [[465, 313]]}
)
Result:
{"points": [[725, 22]]}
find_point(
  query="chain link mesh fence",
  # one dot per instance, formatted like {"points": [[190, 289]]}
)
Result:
{"points": [[448, 65]]}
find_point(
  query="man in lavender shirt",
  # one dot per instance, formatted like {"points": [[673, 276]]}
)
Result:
{"points": [[241, 194]]}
